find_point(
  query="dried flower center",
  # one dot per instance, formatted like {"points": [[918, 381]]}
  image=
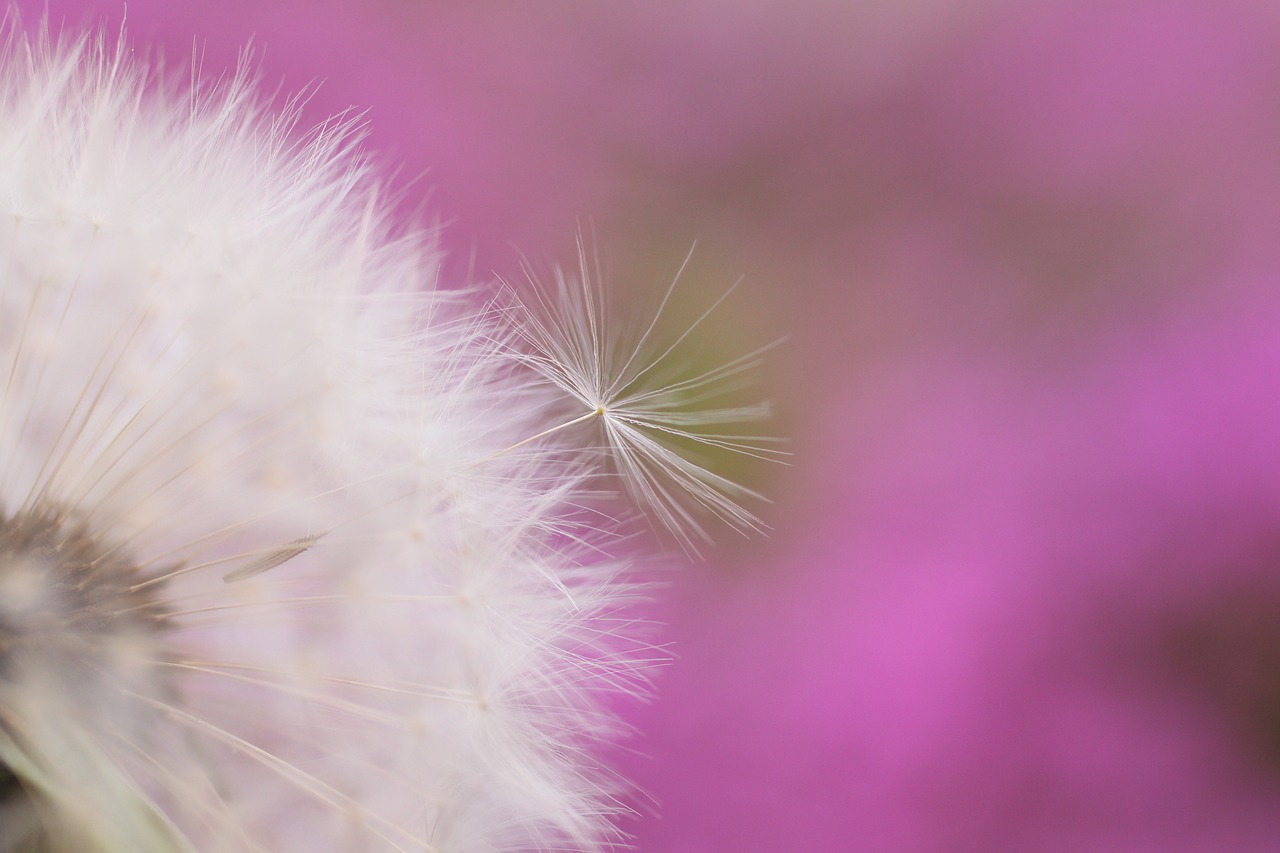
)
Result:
{"points": [[65, 592], [71, 615]]}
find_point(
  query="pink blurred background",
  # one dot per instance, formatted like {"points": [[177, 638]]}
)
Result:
{"points": [[1023, 591]]}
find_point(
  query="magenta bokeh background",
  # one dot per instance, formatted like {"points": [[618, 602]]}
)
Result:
{"points": [[1024, 587]]}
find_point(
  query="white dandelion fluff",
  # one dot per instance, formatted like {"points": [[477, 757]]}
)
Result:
{"points": [[652, 410], [280, 565]]}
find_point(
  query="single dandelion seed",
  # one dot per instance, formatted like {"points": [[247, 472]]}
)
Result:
{"points": [[291, 557], [656, 415]]}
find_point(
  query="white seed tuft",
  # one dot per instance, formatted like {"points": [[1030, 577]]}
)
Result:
{"points": [[656, 413], [271, 577]]}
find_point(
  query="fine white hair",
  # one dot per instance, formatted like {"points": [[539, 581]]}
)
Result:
{"points": [[341, 581]]}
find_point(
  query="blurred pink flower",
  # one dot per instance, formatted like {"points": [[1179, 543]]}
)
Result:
{"points": [[1054, 629]]}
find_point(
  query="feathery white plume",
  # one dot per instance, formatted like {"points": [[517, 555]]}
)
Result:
{"points": [[280, 567], [654, 411]]}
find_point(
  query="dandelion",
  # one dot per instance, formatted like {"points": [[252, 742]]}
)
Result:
{"points": [[291, 557]]}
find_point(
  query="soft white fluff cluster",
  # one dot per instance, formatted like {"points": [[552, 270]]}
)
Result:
{"points": [[296, 549]]}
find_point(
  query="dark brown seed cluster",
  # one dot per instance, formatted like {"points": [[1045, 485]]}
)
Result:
{"points": [[66, 597], [21, 830], [64, 591]]}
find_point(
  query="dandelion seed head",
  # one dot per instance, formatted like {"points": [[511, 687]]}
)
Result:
{"points": [[292, 556]]}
